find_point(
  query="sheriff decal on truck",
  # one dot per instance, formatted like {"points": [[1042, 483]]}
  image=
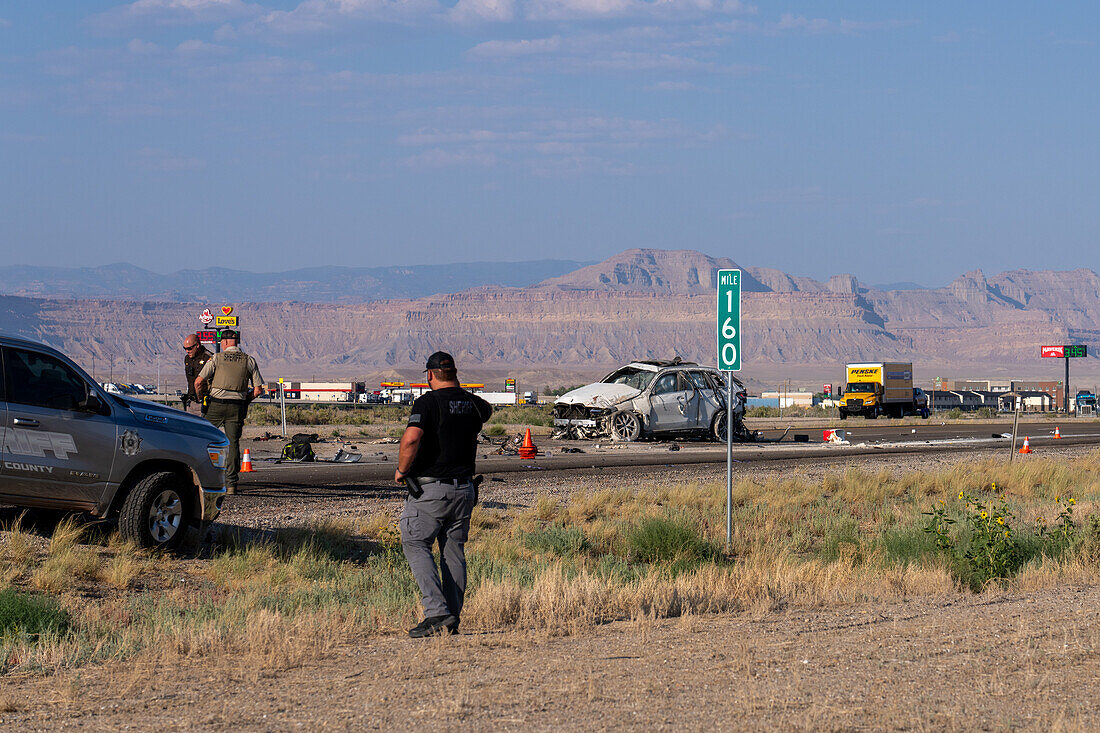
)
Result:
{"points": [[34, 443]]}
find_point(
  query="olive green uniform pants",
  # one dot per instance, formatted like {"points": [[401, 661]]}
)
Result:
{"points": [[229, 416]]}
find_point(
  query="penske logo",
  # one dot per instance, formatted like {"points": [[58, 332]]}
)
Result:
{"points": [[35, 443]]}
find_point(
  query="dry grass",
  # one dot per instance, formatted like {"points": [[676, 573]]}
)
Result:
{"points": [[556, 568]]}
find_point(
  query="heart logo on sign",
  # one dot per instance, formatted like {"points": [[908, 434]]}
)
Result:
{"points": [[227, 309]]}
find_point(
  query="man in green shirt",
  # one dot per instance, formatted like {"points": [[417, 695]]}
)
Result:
{"points": [[234, 381]]}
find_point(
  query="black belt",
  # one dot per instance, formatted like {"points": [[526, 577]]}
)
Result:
{"points": [[438, 480], [227, 402]]}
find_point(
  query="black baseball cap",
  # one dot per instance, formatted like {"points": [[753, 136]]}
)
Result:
{"points": [[228, 333], [440, 360]]}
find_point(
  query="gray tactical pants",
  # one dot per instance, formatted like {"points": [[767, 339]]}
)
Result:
{"points": [[441, 514]]}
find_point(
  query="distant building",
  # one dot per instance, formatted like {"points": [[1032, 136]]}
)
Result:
{"points": [[1032, 400], [789, 399], [1054, 389], [969, 399]]}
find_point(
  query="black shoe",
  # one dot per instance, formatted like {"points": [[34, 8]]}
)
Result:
{"points": [[433, 625]]}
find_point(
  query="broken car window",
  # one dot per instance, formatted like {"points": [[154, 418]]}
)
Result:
{"points": [[635, 378], [667, 383]]}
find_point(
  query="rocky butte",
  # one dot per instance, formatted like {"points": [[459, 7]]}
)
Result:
{"points": [[641, 303]]}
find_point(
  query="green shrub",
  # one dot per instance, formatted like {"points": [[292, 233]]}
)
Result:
{"points": [[528, 415], [986, 546], [31, 615], [561, 541], [660, 539], [496, 430]]}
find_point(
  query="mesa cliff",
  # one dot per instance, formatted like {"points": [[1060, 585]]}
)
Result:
{"points": [[639, 304]]}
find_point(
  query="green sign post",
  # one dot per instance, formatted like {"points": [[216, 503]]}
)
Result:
{"points": [[729, 320], [729, 361]]}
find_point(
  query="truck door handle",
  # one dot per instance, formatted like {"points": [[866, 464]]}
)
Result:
{"points": [[26, 422]]}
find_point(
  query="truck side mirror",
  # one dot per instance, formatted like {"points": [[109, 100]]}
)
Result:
{"points": [[92, 403]]}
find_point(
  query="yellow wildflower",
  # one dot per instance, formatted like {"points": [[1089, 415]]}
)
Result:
{"points": [[1055, 497], [1000, 520], [994, 485], [960, 495], [1072, 501], [984, 515], [1006, 535]]}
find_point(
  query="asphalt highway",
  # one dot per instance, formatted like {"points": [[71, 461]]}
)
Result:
{"points": [[863, 438]]}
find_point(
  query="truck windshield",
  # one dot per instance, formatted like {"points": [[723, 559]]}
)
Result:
{"points": [[635, 378], [860, 387]]}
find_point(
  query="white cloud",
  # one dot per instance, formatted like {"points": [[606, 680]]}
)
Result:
{"points": [[562, 145], [326, 15], [527, 47], [329, 15], [677, 9], [140, 47], [171, 12], [155, 159], [791, 22], [634, 49], [673, 86], [472, 11], [437, 158], [195, 46]]}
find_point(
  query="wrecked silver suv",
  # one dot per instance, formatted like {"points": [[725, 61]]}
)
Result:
{"points": [[647, 399]]}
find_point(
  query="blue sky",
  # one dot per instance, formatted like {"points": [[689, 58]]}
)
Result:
{"points": [[896, 141]]}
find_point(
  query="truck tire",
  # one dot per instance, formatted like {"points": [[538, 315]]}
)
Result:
{"points": [[626, 427], [843, 415], [157, 511], [872, 414]]}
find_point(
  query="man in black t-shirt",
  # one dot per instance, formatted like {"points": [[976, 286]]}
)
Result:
{"points": [[438, 449]]}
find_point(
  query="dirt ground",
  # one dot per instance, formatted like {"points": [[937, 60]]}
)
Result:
{"points": [[960, 662], [993, 662]]}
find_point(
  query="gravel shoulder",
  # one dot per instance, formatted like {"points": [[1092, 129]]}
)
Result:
{"points": [[959, 662], [986, 662]]}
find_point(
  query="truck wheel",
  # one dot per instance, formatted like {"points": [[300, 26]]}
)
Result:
{"points": [[156, 513], [872, 414], [626, 427], [718, 427], [843, 415]]}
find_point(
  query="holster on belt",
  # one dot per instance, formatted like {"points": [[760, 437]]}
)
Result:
{"points": [[412, 483]]}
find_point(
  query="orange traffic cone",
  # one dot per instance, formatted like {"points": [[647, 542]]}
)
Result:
{"points": [[1027, 446], [528, 449], [1057, 433], [246, 462]]}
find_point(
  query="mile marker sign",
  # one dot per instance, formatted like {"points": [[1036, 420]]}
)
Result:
{"points": [[729, 320]]}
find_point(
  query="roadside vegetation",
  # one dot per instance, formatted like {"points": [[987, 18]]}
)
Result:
{"points": [[71, 595]]}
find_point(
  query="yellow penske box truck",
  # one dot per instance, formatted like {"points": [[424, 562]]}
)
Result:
{"points": [[880, 388]]}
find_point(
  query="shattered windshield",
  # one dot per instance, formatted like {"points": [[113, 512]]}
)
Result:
{"points": [[636, 378]]}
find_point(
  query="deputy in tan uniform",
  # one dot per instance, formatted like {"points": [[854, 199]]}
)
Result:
{"points": [[229, 374]]}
